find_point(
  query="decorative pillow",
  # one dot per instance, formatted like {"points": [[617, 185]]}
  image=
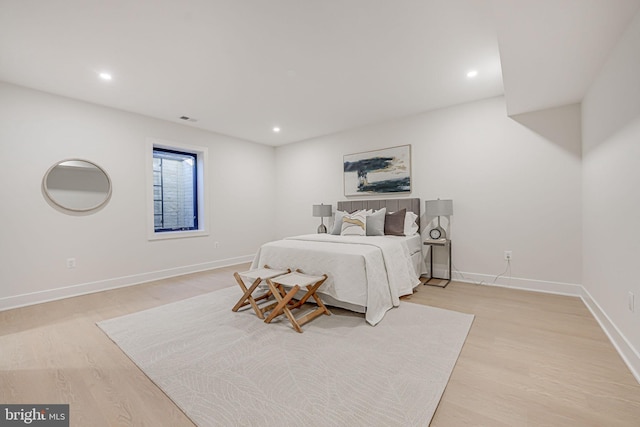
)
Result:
{"points": [[375, 223], [410, 226], [354, 224], [337, 223], [394, 223]]}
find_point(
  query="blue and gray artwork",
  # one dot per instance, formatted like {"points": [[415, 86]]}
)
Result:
{"points": [[382, 171]]}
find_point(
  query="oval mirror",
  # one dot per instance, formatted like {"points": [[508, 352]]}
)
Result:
{"points": [[77, 185]]}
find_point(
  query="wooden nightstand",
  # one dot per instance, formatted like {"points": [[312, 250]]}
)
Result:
{"points": [[434, 243]]}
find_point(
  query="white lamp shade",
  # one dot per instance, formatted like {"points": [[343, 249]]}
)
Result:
{"points": [[322, 210], [438, 207]]}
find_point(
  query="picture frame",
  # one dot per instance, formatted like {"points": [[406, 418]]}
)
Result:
{"points": [[383, 171]]}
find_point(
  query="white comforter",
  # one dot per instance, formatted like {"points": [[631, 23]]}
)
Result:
{"points": [[371, 272]]}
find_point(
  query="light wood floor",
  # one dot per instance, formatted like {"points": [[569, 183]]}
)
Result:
{"points": [[530, 359]]}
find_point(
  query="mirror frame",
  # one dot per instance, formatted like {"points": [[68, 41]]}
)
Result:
{"points": [[58, 204]]}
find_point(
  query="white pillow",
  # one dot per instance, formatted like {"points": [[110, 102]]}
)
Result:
{"points": [[337, 222], [410, 226], [354, 224]]}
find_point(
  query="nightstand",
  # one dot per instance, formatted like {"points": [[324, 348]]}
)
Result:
{"points": [[446, 243]]}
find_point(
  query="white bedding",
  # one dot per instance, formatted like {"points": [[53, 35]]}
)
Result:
{"points": [[413, 242], [364, 271]]}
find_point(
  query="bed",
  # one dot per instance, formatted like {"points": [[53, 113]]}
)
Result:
{"points": [[366, 274]]}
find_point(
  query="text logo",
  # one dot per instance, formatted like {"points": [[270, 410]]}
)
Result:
{"points": [[34, 415]]}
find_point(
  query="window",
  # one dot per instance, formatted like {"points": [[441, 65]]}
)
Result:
{"points": [[175, 190]]}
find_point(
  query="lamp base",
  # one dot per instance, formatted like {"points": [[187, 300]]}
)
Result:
{"points": [[322, 229]]}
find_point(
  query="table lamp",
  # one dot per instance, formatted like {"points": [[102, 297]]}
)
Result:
{"points": [[321, 211], [438, 208]]}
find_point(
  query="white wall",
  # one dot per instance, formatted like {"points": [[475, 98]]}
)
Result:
{"points": [[111, 246], [513, 189], [611, 194]]}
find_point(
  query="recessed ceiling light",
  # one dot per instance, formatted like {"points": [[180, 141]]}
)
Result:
{"points": [[471, 74], [276, 129], [105, 76]]}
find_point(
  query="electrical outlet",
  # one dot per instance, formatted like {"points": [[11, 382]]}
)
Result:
{"points": [[71, 263], [507, 256], [216, 244], [632, 307]]}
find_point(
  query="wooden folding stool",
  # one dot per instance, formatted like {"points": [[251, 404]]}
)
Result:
{"points": [[296, 280], [256, 276]]}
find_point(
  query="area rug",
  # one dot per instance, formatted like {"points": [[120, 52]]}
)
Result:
{"points": [[231, 369]]}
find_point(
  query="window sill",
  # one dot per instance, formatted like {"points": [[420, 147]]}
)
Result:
{"points": [[165, 235]]}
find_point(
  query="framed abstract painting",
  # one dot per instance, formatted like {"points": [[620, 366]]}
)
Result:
{"points": [[377, 172]]}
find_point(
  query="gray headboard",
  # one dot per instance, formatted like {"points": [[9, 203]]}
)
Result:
{"points": [[392, 205]]}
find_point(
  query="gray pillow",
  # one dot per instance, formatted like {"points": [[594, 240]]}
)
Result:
{"points": [[394, 223], [337, 223], [375, 223]]}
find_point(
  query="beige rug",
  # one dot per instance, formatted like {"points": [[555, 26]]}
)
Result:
{"points": [[231, 369]]}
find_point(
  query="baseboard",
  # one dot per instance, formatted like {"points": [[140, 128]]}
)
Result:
{"points": [[629, 354], [560, 288], [32, 298]]}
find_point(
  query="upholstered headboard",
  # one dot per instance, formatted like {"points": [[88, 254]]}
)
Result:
{"points": [[392, 205]]}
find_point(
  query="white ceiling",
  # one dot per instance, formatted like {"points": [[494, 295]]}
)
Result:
{"points": [[311, 67]]}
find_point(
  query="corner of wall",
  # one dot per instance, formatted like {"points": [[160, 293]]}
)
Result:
{"points": [[625, 349]]}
